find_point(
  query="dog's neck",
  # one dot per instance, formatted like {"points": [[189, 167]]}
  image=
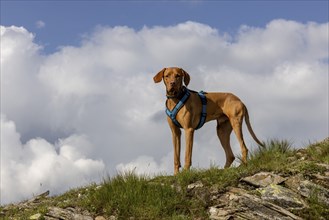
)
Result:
{"points": [[179, 95]]}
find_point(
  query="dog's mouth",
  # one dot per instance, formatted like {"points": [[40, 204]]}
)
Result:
{"points": [[173, 92]]}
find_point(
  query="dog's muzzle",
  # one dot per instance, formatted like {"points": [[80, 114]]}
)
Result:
{"points": [[175, 93]]}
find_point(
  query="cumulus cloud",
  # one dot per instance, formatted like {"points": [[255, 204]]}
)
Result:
{"points": [[146, 165], [38, 165], [93, 107]]}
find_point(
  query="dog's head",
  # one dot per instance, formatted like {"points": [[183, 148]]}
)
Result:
{"points": [[173, 78]]}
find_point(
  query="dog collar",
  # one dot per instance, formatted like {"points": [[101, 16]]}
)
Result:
{"points": [[185, 95]]}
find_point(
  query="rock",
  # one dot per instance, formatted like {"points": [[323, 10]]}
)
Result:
{"points": [[219, 212], [308, 189], [326, 166], [239, 204], [203, 195], [68, 213], [102, 218], [215, 192], [263, 179], [39, 197], [320, 177], [177, 187], [282, 196], [36, 216], [199, 191], [293, 182], [197, 184]]}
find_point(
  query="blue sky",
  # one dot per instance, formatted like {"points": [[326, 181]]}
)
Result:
{"points": [[66, 21], [78, 97]]}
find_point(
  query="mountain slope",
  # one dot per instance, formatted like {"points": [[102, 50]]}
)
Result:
{"points": [[278, 183]]}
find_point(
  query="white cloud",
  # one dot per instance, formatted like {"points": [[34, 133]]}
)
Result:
{"points": [[37, 166], [95, 106], [146, 165], [40, 24]]}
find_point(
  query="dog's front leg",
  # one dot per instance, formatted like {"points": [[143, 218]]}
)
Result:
{"points": [[189, 133], [176, 135]]}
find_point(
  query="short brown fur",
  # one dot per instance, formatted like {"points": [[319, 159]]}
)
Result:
{"points": [[226, 108]]}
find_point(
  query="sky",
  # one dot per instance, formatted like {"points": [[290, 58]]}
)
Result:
{"points": [[78, 102]]}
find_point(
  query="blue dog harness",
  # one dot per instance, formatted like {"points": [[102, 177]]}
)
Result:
{"points": [[172, 114]]}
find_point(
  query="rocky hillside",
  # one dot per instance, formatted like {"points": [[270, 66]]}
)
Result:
{"points": [[278, 183]]}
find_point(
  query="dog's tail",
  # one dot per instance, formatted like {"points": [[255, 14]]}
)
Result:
{"points": [[250, 128]]}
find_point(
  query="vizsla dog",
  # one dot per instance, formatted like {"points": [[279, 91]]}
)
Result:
{"points": [[190, 110]]}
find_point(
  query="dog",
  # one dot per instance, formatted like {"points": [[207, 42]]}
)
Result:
{"points": [[190, 110]]}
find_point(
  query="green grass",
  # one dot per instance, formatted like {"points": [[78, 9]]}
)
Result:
{"points": [[272, 157], [319, 152], [128, 195]]}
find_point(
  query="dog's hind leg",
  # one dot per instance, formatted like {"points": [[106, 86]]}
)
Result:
{"points": [[224, 130], [236, 123]]}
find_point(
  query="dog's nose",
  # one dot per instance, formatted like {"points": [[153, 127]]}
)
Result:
{"points": [[172, 83]]}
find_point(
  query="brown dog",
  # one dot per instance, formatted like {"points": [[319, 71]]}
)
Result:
{"points": [[226, 108]]}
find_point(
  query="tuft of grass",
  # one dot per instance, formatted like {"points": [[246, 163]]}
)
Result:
{"points": [[308, 167], [272, 157], [128, 195], [272, 148], [319, 151]]}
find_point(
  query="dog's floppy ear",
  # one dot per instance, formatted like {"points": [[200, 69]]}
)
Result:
{"points": [[158, 77], [186, 77]]}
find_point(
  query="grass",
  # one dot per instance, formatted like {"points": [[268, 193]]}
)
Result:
{"points": [[272, 157], [319, 151], [128, 195]]}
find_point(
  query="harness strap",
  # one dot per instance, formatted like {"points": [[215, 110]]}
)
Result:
{"points": [[172, 114], [204, 109]]}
